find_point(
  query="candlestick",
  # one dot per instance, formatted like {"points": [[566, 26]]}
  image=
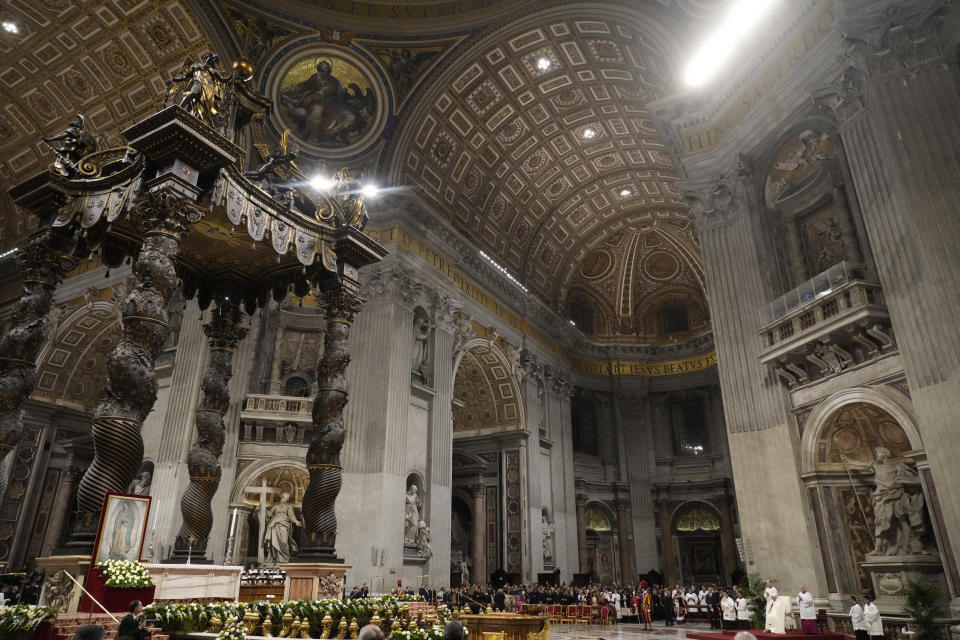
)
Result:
{"points": [[233, 523]]}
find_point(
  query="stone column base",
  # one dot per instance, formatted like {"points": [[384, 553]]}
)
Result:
{"points": [[890, 575], [314, 580], [59, 591]]}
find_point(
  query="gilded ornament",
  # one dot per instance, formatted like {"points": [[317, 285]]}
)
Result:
{"points": [[354, 629], [342, 628], [267, 627], [251, 619], [327, 624], [243, 68], [295, 629], [213, 626]]}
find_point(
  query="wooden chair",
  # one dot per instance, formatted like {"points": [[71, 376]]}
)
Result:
{"points": [[554, 613], [585, 614], [570, 614], [605, 616]]}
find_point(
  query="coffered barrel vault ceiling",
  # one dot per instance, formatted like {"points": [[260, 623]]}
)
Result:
{"points": [[558, 172], [106, 59], [494, 143]]}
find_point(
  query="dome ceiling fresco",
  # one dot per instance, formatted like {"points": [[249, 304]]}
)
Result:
{"points": [[523, 124]]}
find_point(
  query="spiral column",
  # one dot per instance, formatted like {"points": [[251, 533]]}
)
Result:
{"points": [[224, 333], [323, 455], [131, 382], [42, 268]]}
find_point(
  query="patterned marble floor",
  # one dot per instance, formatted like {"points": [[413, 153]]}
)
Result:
{"points": [[626, 631]]}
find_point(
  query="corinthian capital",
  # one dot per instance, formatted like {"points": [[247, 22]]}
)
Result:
{"points": [[445, 309], [716, 204], [392, 283], [845, 98]]}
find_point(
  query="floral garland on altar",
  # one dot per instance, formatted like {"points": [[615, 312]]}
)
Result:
{"points": [[434, 632], [23, 620], [233, 630], [196, 617], [125, 574]]}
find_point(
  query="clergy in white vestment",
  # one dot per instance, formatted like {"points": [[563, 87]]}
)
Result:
{"points": [[808, 611], [729, 607], [872, 616], [769, 592], [777, 609], [857, 619], [743, 613]]}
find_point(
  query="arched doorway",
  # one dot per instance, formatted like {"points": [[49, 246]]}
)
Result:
{"points": [[697, 528], [256, 494], [602, 553], [488, 461]]}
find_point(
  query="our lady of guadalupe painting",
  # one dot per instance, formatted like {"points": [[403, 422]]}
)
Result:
{"points": [[326, 102], [122, 529]]}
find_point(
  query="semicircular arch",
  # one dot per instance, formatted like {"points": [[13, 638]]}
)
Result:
{"points": [[884, 397], [485, 392]]}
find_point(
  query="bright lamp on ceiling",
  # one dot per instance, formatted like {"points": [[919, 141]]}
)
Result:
{"points": [[738, 24]]}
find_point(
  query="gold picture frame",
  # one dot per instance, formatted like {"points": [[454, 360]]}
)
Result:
{"points": [[122, 528]]}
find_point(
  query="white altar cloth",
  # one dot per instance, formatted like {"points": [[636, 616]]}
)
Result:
{"points": [[195, 581]]}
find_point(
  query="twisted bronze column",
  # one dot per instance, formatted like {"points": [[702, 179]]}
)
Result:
{"points": [[131, 382], [42, 269], [323, 456], [224, 333]]}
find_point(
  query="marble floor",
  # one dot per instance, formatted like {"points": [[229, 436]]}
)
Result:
{"points": [[627, 631]]}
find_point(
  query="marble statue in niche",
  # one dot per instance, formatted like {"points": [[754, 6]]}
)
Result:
{"points": [[549, 529], [141, 485], [898, 506], [424, 550], [278, 542], [422, 328], [411, 516]]}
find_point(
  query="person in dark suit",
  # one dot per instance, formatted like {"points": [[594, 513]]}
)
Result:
{"points": [[666, 602], [713, 607], [499, 601], [133, 626]]}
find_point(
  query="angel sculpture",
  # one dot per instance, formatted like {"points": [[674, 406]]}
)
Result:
{"points": [[274, 174], [74, 143], [205, 95]]}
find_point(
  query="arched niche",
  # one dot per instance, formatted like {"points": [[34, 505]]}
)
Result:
{"points": [[72, 367], [258, 488], [696, 528], [602, 552], [842, 435], [813, 222], [486, 395], [882, 398]]}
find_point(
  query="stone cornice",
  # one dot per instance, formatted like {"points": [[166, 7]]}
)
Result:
{"points": [[411, 212]]}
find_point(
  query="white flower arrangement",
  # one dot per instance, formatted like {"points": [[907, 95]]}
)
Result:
{"points": [[125, 574], [23, 620], [232, 630]]}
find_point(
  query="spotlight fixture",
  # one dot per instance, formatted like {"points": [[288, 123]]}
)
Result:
{"points": [[588, 133], [625, 192], [11, 27], [321, 183], [543, 63], [370, 190], [503, 270]]}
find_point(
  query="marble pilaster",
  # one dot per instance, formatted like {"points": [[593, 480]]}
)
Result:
{"points": [[168, 432], [901, 139], [479, 534]]}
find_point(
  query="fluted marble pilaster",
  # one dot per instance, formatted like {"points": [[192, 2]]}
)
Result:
{"points": [[441, 435], [902, 153], [224, 333], [131, 382]]}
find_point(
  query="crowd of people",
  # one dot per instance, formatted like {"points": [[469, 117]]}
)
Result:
{"points": [[20, 588]]}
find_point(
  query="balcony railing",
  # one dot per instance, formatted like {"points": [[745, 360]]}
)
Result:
{"points": [[279, 419], [838, 321]]}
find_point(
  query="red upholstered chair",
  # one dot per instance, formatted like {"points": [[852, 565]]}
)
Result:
{"points": [[605, 616], [571, 614], [523, 609], [554, 613], [585, 614]]}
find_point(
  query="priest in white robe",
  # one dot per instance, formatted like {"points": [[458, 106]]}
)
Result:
{"points": [[777, 609], [808, 611]]}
